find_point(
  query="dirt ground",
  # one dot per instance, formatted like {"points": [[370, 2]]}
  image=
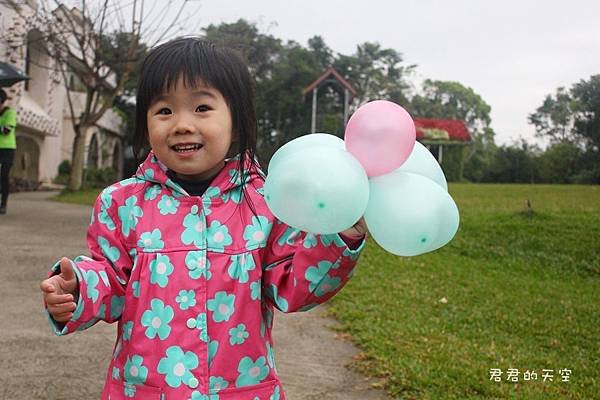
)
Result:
{"points": [[35, 364]]}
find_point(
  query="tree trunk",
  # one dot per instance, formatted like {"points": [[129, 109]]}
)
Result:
{"points": [[77, 161]]}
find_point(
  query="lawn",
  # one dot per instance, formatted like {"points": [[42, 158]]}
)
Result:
{"points": [[515, 289]]}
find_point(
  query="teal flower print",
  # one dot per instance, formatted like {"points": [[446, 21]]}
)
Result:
{"points": [[238, 335], [251, 372], [160, 269], [235, 195], [255, 290], [256, 233], [134, 372], [129, 390], [152, 192], [281, 303], [196, 395], [129, 215], [270, 356], [198, 265], [194, 226], [211, 192], [333, 238], [116, 306], [186, 299], [151, 240], [320, 281], [127, 329], [289, 236], [91, 279], [199, 323], [213, 347], [177, 366], [168, 205], [105, 219], [222, 306], [112, 253], [240, 265], [276, 394], [135, 288], [157, 320], [353, 254], [217, 383], [218, 236], [310, 241], [115, 373]]}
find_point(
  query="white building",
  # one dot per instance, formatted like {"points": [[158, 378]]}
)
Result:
{"points": [[44, 129]]}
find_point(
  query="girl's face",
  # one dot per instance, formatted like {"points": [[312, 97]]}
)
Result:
{"points": [[189, 130]]}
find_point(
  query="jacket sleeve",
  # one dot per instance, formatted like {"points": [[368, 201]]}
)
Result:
{"points": [[302, 270], [103, 277]]}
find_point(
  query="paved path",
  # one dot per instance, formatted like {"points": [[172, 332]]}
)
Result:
{"points": [[34, 364]]}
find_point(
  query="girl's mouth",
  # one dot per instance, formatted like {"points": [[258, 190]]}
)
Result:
{"points": [[186, 147]]}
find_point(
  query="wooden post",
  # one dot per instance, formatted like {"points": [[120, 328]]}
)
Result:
{"points": [[346, 101], [313, 125]]}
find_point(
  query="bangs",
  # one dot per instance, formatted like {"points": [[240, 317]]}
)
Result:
{"points": [[188, 61]]}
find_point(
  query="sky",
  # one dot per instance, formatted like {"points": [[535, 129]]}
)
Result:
{"points": [[512, 52]]}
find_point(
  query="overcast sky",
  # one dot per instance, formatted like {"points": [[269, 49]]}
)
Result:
{"points": [[511, 52]]}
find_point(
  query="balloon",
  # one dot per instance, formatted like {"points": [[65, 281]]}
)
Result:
{"points": [[409, 214], [422, 162], [309, 140], [317, 189], [381, 135]]}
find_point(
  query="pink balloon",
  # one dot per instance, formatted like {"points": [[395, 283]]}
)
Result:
{"points": [[381, 135]]}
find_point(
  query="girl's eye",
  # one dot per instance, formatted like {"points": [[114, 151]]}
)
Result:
{"points": [[164, 111], [202, 108]]}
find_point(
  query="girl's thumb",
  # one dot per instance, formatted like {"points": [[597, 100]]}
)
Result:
{"points": [[66, 269]]}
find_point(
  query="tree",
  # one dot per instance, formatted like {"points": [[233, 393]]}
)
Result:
{"points": [[555, 118], [587, 111], [96, 43], [452, 100], [376, 73]]}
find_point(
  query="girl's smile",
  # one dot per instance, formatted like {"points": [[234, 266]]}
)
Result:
{"points": [[190, 130]]}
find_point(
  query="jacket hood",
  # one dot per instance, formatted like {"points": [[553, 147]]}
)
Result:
{"points": [[227, 180]]}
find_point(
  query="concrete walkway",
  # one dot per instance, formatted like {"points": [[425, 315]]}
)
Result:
{"points": [[34, 364]]}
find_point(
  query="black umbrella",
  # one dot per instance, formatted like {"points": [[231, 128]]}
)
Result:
{"points": [[9, 75]]}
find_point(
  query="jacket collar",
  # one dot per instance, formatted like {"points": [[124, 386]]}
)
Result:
{"points": [[152, 170]]}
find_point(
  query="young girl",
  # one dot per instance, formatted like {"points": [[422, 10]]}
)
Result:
{"points": [[186, 256]]}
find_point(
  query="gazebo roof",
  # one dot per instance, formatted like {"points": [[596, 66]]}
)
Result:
{"points": [[442, 130], [330, 72]]}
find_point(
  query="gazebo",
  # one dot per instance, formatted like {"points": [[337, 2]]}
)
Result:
{"points": [[329, 78]]}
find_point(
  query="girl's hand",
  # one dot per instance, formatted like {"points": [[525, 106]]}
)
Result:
{"points": [[357, 231], [61, 292]]}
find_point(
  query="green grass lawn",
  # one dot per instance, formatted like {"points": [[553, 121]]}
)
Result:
{"points": [[522, 291], [85, 196]]}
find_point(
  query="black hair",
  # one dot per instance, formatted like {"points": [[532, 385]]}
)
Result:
{"points": [[197, 60], [3, 96]]}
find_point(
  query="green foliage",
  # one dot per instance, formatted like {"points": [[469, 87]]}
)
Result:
{"points": [[64, 168], [555, 117], [587, 107], [99, 177], [512, 290], [452, 162]]}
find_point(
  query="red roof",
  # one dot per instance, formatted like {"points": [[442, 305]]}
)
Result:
{"points": [[442, 129], [326, 74]]}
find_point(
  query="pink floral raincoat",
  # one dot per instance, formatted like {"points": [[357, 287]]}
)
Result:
{"points": [[192, 282]]}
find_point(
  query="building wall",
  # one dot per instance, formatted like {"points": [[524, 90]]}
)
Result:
{"points": [[44, 131]]}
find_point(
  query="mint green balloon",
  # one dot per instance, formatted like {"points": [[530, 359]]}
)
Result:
{"points": [[303, 142], [317, 189], [422, 162], [409, 214]]}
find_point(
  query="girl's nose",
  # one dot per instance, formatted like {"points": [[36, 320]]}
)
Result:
{"points": [[184, 124]]}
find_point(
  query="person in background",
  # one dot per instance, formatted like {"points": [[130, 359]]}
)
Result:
{"points": [[8, 146]]}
